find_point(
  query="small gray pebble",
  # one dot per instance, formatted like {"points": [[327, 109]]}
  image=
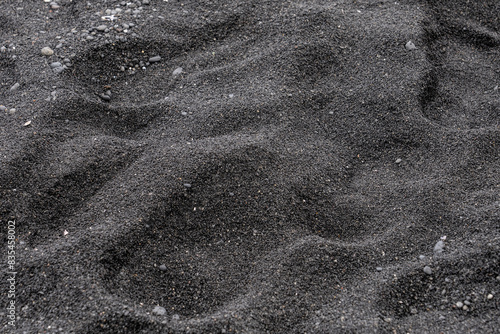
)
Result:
{"points": [[183, 113], [163, 267], [16, 86], [154, 59], [438, 248], [158, 310], [467, 302], [459, 304], [410, 46], [428, 270], [379, 268], [421, 257], [176, 317], [177, 71], [58, 70], [105, 97], [187, 185], [102, 27], [3, 108], [46, 51], [398, 161], [3, 49], [12, 111], [55, 64]]}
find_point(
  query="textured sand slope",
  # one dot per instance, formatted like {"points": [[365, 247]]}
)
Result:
{"points": [[286, 167]]}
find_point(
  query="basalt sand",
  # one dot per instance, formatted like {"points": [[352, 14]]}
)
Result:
{"points": [[285, 167]]}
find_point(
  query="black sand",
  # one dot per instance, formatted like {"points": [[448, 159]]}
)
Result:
{"points": [[294, 177]]}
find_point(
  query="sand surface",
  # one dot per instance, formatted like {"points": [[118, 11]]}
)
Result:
{"points": [[250, 166]]}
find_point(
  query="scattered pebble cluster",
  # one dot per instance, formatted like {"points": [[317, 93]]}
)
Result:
{"points": [[450, 298], [111, 25]]}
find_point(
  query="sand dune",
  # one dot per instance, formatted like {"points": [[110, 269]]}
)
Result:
{"points": [[250, 166]]}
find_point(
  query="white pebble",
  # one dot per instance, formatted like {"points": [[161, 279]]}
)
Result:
{"points": [[158, 310], [438, 248], [46, 51], [410, 46], [177, 71]]}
